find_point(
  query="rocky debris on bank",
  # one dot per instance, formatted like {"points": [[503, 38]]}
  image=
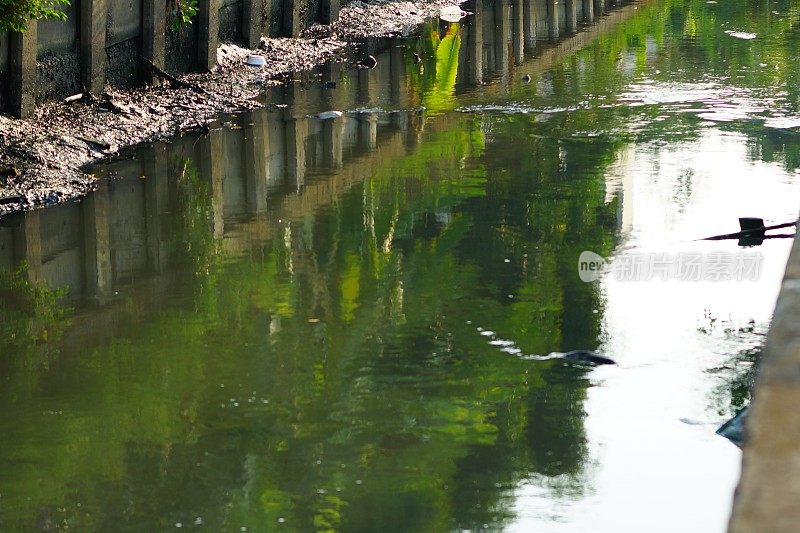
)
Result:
{"points": [[42, 159], [380, 19]]}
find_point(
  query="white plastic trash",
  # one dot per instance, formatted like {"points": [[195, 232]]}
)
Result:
{"points": [[326, 115], [256, 61], [452, 14]]}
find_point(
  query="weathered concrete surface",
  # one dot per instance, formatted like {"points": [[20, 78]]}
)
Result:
{"points": [[154, 23], [22, 70], [208, 22], [292, 19], [768, 496], [93, 44], [251, 23]]}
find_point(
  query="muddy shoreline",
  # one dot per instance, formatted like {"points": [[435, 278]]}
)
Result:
{"points": [[44, 159]]}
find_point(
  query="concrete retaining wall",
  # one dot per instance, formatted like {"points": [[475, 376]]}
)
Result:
{"points": [[766, 499], [101, 40]]}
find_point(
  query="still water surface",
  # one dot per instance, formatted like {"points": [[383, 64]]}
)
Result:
{"points": [[301, 324]]}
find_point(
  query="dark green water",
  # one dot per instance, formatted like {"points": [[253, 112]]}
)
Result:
{"points": [[330, 325]]}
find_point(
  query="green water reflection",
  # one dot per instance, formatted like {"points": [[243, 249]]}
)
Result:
{"points": [[283, 324]]}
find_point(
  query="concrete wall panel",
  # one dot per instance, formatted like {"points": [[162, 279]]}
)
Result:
{"points": [[127, 226], [60, 229], [55, 36], [3, 52], [124, 21], [7, 258]]}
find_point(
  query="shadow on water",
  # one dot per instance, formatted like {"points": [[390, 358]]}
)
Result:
{"points": [[283, 322]]}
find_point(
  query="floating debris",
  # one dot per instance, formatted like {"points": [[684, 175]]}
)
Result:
{"points": [[327, 115], [501, 342], [733, 429], [452, 14], [741, 34]]}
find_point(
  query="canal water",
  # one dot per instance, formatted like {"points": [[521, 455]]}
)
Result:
{"points": [[312, 323]]}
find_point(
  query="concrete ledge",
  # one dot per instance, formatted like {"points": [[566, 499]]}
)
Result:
{"points": [[769, 489]]}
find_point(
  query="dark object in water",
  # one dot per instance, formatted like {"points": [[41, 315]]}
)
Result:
{"points": [[733, 429], [753, 231], [368, 62], [585, 356], [526, 78], [417, 58], [330, 84], [751, 223]]}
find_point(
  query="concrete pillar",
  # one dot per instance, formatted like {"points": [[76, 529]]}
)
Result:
{"points": [[333, 97], [207, 34], [501, 35], [155, 204], [366, 86], [22, 71], [588, 10], [332, 133], [368, 131], [97, 244], [332, 71], [256, 167], [475, 43], [416, 129], [529, 24], [210, 158], [251, 23], [400, 121], [29, 246], [599, 7], [518, 32], [154, 20], [329, 11], [296, 133], [553, 31], [291, 18], [276, 157], [572, 16], [397, 65], [216, 146], [294, 136], [93, 44]]}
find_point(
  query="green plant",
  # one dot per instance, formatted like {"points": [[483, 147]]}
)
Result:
{"points": [[31, 315], [182, 12], [15, 14]]}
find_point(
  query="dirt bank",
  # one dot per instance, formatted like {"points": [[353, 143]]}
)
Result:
{"points": [[43, 159]]}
